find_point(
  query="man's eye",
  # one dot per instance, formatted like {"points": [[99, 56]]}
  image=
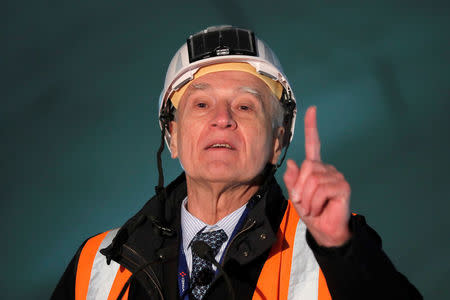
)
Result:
{"points": [[201, 105], [244, 107]]}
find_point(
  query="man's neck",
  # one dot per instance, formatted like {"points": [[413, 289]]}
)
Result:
{"points": [[210, 202]]}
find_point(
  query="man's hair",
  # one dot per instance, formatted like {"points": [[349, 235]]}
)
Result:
{"points": [[277, 112]]}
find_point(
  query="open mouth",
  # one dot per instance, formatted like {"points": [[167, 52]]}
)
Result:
{"points": [[227, 146], [220, 146]]}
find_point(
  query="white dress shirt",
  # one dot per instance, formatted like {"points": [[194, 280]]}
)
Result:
{"points": [[191, 225]]}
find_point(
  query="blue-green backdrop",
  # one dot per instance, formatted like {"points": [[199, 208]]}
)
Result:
{"points": [[80, 82]]}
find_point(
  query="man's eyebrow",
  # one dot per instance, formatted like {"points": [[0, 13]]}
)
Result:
{"points": [[252, 91], [196, 87], [205, 86], [199, 86]]}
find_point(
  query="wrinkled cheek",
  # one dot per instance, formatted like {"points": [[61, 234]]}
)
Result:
{"points": [[265, 139], [185, 157], [184, 162], [258, 160]]}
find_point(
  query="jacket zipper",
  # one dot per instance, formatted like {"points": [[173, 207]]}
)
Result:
{"points": [[153, 279], [247, 226]]}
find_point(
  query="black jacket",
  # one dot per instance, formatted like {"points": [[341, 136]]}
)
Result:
{"points": [[357, 270]]}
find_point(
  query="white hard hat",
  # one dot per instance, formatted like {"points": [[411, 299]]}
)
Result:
{"points": [[225, 44]]}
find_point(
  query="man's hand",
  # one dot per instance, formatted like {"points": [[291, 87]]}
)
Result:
{"points": [[319, 193]]}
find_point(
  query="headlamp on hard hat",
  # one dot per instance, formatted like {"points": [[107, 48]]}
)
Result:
{"points": [[219, 41]]}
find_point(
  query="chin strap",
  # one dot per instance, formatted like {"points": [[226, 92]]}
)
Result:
{"points": [[160, 186], [165, 117], [284, 156], [289, 107]]}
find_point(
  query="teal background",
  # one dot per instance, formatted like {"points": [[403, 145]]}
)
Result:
{"points": [[78, 128]]}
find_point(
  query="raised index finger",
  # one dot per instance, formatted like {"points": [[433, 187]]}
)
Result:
{"points": [[312, 142]]}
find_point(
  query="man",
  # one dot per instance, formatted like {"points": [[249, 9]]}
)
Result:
{"points": [[222, 229]]}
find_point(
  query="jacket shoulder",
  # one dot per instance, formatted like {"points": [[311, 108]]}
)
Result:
{"points": [[65, 288]]}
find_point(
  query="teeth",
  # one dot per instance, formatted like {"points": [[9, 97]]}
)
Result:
{"points": [[221, 146]]}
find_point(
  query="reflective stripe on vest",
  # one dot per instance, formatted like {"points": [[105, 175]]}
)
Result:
{"points": [[291, 271], [96, 279]]}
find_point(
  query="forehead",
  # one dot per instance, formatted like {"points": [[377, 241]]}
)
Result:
{"points": [[232, 81]]}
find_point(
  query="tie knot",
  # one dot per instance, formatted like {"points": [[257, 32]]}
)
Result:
{"points": [[214, 239]]}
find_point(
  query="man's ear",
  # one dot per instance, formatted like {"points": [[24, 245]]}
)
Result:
{"points": [[173, 129], [277, 144]]}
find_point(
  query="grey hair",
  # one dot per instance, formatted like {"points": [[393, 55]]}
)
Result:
{"points": [[277, 112]]}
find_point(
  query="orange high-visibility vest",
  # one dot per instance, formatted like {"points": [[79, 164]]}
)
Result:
{"points": [[96, 279], [290, 272]]}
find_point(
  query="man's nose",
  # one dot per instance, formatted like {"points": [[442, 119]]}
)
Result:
{"points": [[223, 118]]}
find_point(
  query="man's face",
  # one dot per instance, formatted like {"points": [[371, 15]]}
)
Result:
{"points": [[223, 128]]}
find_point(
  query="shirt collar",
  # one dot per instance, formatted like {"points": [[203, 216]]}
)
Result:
{"points": [[190, 225]]}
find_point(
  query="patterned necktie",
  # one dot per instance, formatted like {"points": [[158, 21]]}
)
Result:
{"points": [[202, 272]]}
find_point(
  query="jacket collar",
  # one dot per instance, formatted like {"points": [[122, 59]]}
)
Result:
{"points": [[152, 236]]}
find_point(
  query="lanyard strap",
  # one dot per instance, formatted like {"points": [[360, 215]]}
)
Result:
{"points": [[183, 274]]}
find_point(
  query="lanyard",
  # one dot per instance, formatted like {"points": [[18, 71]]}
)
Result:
{"points": [[183, 272]]}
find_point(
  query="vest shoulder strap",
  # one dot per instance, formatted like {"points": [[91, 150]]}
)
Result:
{"points": [[291, 270], [95, 279]]}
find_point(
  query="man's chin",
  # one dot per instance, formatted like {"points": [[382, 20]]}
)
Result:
{"points": [[219, 172]]}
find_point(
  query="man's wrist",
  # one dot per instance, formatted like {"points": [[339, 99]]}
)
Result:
{"points": [[341, 250]]}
